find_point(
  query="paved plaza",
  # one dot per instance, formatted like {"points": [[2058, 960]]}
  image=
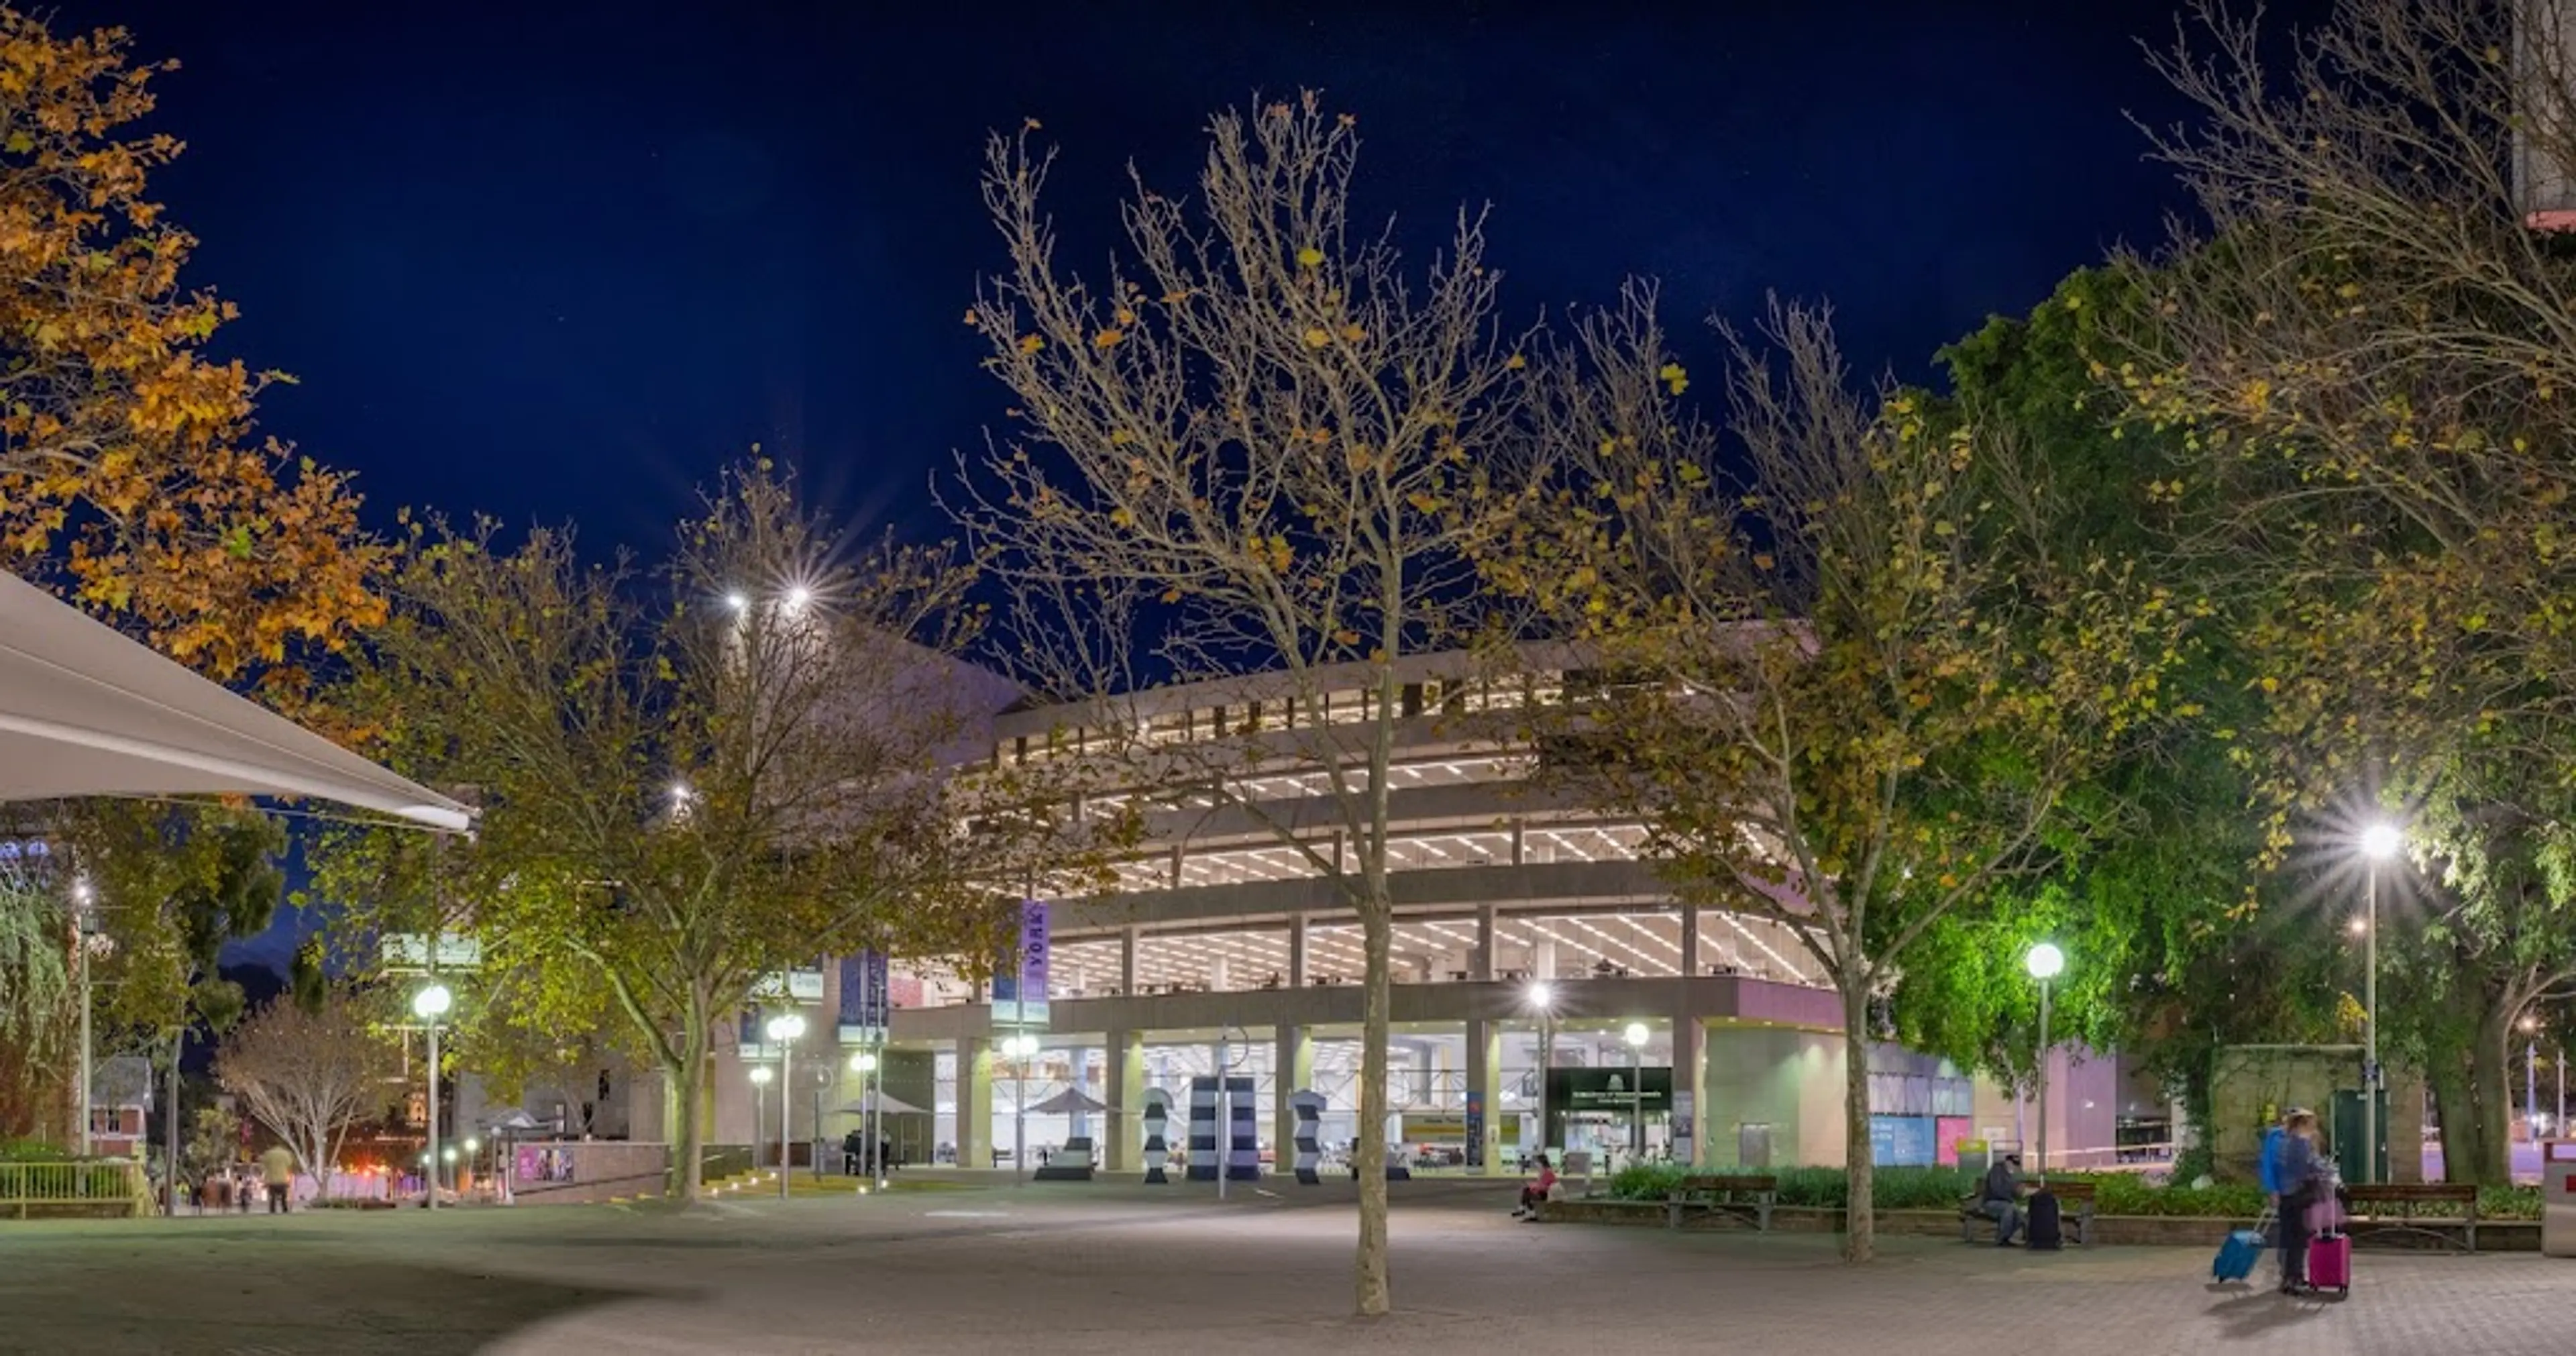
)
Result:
{"points": [[1114, 1268]]}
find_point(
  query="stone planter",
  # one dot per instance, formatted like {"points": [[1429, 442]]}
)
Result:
{"points": [[2177, 1231]]}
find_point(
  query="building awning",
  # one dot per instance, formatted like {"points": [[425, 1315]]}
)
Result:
{"points": [[84, 711]]}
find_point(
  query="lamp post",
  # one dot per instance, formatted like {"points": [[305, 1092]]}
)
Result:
{"points": [[80, 944], [2379, 842], [430, 1004], [1637, 1035], [1542, 997], [2045, 962], [871, 1162], [1020, 1047], [785, 1030], [760, 1076]]}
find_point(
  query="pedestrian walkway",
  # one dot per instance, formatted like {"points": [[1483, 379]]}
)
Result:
{"points": [[1130, 1270]]}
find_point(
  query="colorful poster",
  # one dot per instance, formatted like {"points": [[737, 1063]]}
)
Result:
{"points": [[1947, 1133], [1901, 1141]]}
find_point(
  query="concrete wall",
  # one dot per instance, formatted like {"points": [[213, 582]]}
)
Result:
{"points": [[601, 1170], [1786, 1077]]}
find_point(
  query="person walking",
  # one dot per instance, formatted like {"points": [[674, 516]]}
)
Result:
{"points": [[277, 1173], [2302, 1176]]}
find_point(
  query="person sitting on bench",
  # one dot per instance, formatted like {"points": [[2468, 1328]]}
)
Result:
{"points": [[2000, 1198]]}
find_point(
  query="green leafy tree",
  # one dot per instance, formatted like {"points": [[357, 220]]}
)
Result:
{"points": [[1844, 687], [679, 801]]}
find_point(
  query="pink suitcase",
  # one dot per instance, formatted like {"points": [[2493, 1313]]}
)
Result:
{"points": [[2330, 1263]]}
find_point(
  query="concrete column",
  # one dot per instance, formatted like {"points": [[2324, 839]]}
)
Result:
{"points": [[1296, 951], [975, 1102], [1519, 846], [1218, 975], [1484, 1063], [1127, 961], [1125, 1123], [1690, 939], [1177, 855], [1481, 965], [1543, 959], [1292, 1070]]}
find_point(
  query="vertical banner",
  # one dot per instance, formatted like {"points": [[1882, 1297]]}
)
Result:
{"points": [[1020, 987], [1475, 1129], [1683, 1128], [866, 998]]}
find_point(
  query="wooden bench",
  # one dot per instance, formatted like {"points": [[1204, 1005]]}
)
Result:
{"points": [[2074, 1211], [1745, 1196], [2406, 1196]]}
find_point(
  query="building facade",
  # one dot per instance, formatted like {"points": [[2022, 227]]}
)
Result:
{"points": [[1532, 940]]}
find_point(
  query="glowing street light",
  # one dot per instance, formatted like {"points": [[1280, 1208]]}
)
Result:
{"points": [[430, 1004], [737, 602], [798, 597], [785, 1030], [2045, 963]]}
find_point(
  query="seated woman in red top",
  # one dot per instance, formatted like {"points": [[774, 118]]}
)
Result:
{"points": [[1536, 1191]]}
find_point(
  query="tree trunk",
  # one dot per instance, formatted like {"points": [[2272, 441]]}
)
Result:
{"points": [[1860, 1215], [2448, 1078], [1375, 1294], [688, 1166], [2493, 1100]]}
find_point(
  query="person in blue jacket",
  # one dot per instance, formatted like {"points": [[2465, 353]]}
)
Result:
{"points": [[2303, 1174]]}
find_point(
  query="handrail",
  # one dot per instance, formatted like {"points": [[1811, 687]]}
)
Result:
{"points": [[24, 1187]]}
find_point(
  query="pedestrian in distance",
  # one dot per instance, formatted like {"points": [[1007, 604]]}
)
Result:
{"points": [[277, 1173]]}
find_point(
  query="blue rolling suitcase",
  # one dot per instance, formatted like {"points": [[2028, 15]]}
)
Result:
{"points": [[2237, 1256]]}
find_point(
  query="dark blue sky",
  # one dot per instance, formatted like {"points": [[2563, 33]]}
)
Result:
{"points": [[562, 260]]}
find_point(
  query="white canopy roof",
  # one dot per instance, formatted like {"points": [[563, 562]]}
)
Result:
{"points": [[86, 712]]}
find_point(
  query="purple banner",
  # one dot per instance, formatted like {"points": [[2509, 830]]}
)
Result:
{"points": [[865, 990], [1020, 990]]}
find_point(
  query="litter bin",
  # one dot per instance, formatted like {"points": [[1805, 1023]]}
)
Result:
{"points": [[2558, 1198]]}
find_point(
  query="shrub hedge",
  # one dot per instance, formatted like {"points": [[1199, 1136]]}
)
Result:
{"points": [[2117, 1193]]}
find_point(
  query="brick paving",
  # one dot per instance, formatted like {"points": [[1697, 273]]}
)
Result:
{"points": [[1114, 1268]]}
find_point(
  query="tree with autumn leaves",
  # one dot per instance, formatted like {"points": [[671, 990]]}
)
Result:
{"points": [[131, 471], [1844, 681]]}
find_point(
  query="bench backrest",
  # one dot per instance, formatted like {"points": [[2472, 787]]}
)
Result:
{"points": [[2413, 1191], [1736, 1183], [2075, 1191]]}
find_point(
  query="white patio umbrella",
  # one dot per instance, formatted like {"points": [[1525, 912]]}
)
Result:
{"points": [[885, 1106], [1070, 1102], [86, 712]]}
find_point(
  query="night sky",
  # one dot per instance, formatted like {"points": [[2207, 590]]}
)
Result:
{"points": [[558, 260], [561, 261]]}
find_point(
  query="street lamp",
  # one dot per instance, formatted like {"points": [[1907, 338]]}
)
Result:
{"points": [[1542, 998], [785, 1030], [1020, 1047], [81, 931], [2045, 962], [1637, 1035], [872, 1162], [2379, 843], [430, 1004], [760, 1076]]}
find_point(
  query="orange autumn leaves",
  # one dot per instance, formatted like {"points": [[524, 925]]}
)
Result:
{"points": [[130, 471]]}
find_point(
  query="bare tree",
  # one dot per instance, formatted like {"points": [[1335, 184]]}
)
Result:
{"points": [[1259, 451], [1838, 685], [308, 1075]]}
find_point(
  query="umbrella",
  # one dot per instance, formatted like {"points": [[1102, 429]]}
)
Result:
{"points": [[881, 1103], [86, 712], [1070, 1102]]}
